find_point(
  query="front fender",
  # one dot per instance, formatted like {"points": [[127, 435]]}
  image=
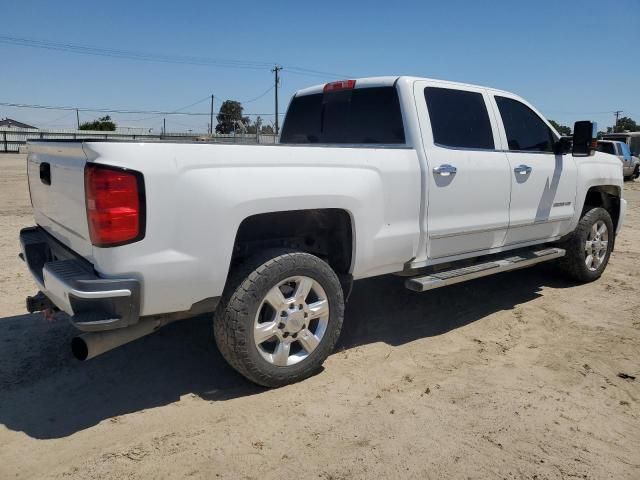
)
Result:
{"points": [[599, 170]]}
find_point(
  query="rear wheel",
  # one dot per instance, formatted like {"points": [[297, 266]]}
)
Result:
{"points": [[280, 318], [590, 245]]}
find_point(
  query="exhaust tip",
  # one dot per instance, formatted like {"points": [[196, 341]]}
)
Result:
{"points": [[79, 348]]}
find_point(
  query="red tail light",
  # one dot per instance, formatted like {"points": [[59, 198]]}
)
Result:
{"points": [[339, 85], [115, 205]]}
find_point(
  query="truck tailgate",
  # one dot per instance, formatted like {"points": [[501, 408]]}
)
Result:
{"points": [[56, 183]]}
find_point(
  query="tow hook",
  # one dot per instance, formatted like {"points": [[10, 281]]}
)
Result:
{"points": [[39, 303]]}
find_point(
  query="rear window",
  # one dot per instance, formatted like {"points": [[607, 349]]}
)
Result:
{"points": [[361, 115]]}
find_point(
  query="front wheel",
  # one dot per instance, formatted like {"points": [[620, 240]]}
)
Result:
{"points": [[589, 247], [280, 318]]}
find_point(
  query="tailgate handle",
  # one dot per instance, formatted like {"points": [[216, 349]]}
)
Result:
{"points": [[45, 173]]}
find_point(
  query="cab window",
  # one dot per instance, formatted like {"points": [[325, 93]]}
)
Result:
{"points": [[459, 118], [526, 131]]}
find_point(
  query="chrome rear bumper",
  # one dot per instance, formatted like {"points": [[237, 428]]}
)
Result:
{"points": [[70, 282]]}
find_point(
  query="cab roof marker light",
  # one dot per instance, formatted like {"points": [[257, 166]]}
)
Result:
{"points": [[339, 85]]}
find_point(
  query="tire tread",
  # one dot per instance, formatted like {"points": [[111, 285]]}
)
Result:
{"points": [[231, 319], [573, 262]]}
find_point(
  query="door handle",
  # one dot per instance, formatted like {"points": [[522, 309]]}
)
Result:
{"points": [[445, 170], [523, 169]]}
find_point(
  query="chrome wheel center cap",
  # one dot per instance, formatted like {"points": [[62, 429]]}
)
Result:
{"points": [[295, 320]]}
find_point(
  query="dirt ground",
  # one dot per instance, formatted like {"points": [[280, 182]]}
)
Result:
{"points": [[514, 376]]}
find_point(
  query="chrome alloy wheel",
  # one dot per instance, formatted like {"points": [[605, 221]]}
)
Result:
{"points": [[596, 245], [291, 321]]}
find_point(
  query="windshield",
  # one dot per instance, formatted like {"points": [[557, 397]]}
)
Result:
{"points": [[606, 148], [625, 150], [356, 116]]}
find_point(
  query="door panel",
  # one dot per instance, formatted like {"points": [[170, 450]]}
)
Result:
{"points": [[543, 184], [542, 201], [467, 209]]}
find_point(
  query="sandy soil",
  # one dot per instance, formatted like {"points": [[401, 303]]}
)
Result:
{"points": [[515, 376]]}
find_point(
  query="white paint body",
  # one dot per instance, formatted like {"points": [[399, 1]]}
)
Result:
{"points": [[197, 195]]}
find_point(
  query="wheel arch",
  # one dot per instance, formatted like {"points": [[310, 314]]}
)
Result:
{"points": [[607, 197], [328, 233]]}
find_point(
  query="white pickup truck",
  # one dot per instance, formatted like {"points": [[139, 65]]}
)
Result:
{"points": [[438, 182]]}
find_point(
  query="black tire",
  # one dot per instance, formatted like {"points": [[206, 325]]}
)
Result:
{"points": [[574, 262], [237, 311]]}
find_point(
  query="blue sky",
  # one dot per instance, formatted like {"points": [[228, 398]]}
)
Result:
{"points": [[573, 59]]}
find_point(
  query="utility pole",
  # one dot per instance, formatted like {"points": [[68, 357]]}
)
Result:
{"points": [[617, 114], [78, 118], [211, 124], [276, 70], [164, 127]]}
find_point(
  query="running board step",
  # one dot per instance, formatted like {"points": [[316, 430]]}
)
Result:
{"points": [[503, 264]]}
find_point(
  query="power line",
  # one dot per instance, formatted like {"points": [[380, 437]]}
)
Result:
{"points": [[68, 114], [129, 54], [184, 124], [259, 96], [118, 111], [314, 73], [174, 112], [153, 57], [577, 113]]}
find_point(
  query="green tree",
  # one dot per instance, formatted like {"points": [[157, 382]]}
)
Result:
{"points": [[562, 129], [626, 123], [102, 124], [230, 118], [254, 127]]}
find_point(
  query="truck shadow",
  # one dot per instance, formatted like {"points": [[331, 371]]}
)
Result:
{"points": [[46, 394]]}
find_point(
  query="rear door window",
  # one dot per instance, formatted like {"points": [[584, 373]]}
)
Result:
{"points": [[459, 118], [525, 130], [356, 116]]}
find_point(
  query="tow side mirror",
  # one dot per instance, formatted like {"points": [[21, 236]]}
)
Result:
{"points": [[562, 146], [585, 138]]}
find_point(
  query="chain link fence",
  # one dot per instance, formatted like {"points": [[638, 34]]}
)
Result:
{"points": [[13, 139]]}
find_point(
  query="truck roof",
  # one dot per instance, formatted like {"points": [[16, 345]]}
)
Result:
{"points": [[622, 134], [387, 81]]}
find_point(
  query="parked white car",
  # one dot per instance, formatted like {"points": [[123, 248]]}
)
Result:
{"points": [[632, 139], [373, 176], [630, 164]]}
